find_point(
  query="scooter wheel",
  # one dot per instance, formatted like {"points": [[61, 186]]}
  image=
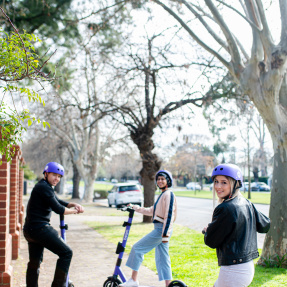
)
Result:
{"points": [[177, 283], [112, 283], [70, 284]]}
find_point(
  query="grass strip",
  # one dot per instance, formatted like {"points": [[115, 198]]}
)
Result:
{"points": [[256, 197], [192, 261]]}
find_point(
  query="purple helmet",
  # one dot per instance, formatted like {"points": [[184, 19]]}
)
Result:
{"points": [[166, 174], [228, 169], [55, 168]]}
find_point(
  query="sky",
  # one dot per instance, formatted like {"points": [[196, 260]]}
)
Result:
{"points": [[199, 125]]}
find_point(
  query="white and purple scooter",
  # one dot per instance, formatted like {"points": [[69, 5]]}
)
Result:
{"points": [[118, 277]]}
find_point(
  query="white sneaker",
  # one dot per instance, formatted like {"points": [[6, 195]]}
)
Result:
{"points": [[130, 283]]}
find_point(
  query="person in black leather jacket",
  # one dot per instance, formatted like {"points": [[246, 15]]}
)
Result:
{"points": [[233, 230]]}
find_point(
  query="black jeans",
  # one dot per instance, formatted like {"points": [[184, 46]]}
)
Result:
{"points": [[46, 237]]}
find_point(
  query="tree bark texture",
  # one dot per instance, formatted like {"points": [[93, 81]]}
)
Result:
{"points": [[276, 239], [76, 182], [89, 188], [269, 96], [59, 188], [150, 166]]}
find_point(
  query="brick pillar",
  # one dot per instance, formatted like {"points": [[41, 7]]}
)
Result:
{"points": [[5, 238], [14, 199], [21, 206]]}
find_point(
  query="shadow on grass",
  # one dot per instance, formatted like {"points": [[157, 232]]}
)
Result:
{"points": [[111, 225], [269, 277]]}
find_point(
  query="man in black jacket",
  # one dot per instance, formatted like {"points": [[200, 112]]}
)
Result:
{"points": [[38, 231]]}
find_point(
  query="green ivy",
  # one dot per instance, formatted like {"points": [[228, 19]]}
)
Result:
{"points": [[12, 127], [18, 61]]}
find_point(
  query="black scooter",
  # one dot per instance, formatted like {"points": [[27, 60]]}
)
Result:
{"points": [[118, 275], [63, 228]]}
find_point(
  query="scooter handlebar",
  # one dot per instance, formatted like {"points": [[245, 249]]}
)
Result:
{"points": [[126, 208]]}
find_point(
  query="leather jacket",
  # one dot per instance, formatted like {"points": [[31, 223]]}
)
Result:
{"points": [[233, 231]]}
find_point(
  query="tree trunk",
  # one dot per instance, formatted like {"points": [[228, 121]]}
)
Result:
{"points": [[89, 188], [276, 239], [151, 164], [76, 182], [59, 188], [275, 117]]}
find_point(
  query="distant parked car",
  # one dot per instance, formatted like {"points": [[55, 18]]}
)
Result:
{"points": [[259, 186], [244, 187], [193, 186], [113, 180], [125, 193]]}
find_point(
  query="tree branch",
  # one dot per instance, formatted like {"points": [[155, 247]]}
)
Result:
{"points": [[235, 54], [194, 36]]}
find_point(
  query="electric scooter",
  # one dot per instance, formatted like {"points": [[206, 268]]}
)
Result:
{"points": [[118, 276], [63, 228]]}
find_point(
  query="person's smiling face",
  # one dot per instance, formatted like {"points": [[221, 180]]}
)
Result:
{"points": [[53, 178], [222, 186], [161, 181]]}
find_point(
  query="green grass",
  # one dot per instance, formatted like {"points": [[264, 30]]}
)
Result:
{"points": [[97, 186], [256, 197], [192, 261]]}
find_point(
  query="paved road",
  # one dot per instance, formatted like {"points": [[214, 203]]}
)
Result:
{"points": [[196, 213]]}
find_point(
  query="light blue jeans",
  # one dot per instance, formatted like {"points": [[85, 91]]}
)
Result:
{"points": [[146, 244]]}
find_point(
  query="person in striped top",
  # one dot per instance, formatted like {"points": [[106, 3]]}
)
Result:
{"points": [[163, 213]]}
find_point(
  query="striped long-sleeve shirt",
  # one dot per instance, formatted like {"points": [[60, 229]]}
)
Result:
{"points": [[164, 210]]}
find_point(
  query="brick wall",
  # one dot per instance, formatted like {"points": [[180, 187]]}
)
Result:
{"points": [[11, 214]]}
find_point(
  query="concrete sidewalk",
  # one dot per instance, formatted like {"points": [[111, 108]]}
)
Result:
{"points": [[93, 260]]}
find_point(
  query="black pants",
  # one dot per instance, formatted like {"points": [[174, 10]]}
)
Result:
{"points": [[47, 237]]}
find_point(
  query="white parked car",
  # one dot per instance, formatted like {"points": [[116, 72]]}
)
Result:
{"points": [[125, 193], [193, 186]]}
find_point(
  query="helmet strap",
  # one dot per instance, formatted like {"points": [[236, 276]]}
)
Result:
{"points": [[233, 191], [163, 188]]}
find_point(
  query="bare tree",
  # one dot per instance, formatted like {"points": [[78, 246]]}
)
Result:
{"points": [[44, 147], [142, 75], [76, 115], [186, 160], [260, 74]]}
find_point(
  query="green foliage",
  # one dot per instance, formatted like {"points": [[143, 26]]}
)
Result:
{"points": [[18, 59], [276, 261], [53, 19], [220, 147], [28, 173], [12, 126]]}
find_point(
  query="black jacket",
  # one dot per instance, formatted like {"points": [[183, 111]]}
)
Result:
{"points": [[41, 204], [233, 231]]}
